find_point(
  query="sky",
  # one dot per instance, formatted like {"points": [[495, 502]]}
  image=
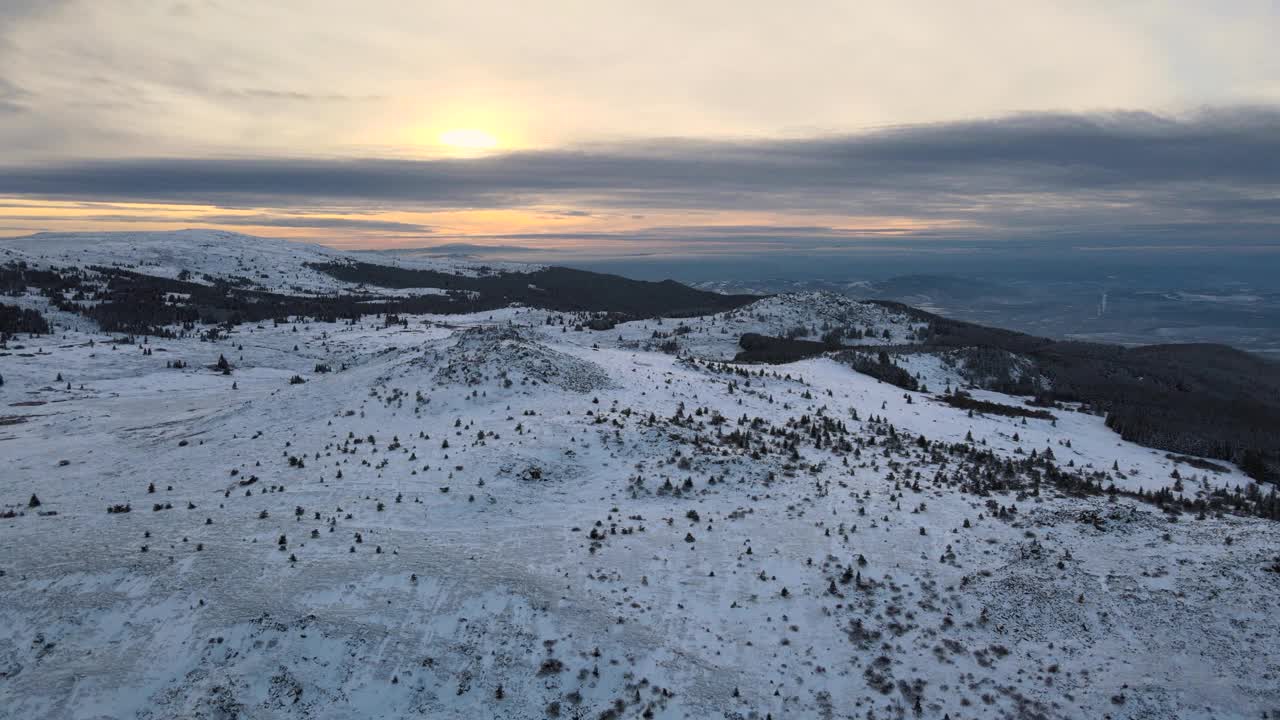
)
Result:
{"points": [[603, 128]]}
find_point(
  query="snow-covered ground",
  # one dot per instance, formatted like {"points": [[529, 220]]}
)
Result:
{"points": [[268, 264], [493, 516], [806, 316]]}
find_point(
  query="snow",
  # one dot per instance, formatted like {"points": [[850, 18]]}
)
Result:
{"points": [[526, 556], [269, 264], [716, 336]]}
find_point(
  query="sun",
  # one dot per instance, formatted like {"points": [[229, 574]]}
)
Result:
{"points": [[468, 140]]}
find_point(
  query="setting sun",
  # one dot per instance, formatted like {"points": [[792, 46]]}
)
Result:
{"points": [[468, 139]]}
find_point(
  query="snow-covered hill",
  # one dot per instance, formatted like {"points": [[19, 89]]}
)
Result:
{"points": [[493, 516], [142, 282], [266, 263]]}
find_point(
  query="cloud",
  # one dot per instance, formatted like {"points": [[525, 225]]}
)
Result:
{"points": [[1011, 171], [278, 221], [14, 11], [295, 95], [457, 248], [205, 77], [13, 99], [309, 222]]}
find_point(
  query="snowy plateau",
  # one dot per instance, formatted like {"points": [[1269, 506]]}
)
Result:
{"points": [[506, 514]]}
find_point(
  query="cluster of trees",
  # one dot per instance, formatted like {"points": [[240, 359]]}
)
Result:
{"points": [[965, 401], [15, 320], [882, 368], [14, 281], [776, 350]]}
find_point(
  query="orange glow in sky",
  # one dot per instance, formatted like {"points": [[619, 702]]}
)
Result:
{"points": [[533, 227]]}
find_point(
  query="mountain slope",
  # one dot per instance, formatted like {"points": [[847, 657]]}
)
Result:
{"points": [[429, 521], [508, 514], [141, 282], [267, 264]]}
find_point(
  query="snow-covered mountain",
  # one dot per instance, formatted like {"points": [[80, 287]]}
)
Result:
{"points": [[269, 264], [506, 514]]}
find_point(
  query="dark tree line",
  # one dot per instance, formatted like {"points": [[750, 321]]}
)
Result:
{"points": [[776, 350], [965, 401], [553, 288], [881, 368], [15, 320]]}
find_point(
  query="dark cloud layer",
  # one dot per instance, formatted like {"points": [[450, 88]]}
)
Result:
{"points": [[1012, 173], [260, 220]]}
